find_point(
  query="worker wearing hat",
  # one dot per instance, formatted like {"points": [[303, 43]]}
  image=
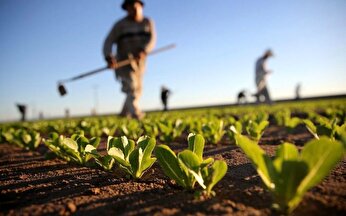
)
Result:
{"points": [[135, 36], [261, 77]]}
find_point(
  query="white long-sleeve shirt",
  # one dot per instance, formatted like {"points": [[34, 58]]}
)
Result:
{"points": [[261, 72], [130, 36]]}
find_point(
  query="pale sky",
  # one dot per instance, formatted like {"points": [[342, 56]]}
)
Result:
{"points": [[218, 42]]}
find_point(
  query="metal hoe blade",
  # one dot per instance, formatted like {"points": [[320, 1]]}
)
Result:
{"points": [[62, 89]]}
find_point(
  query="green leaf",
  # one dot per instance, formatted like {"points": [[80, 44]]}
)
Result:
{"points": [[324, 130], [236, 127], [106, 162], [95, 141], [147, 163], [90, 149], [321, 156], [54, 136], [129, 146], [291, 174], [189, 159], [207, 162], [169, 163], [71, 144], [259, 159], [135, 160], [286, 151], [26, 138], [190, 164], [148, 145], [196, 144], [293, 122], [110, 142], [340, 133], [311, 127], [82, 142], [216, 172], [255, 130], [70, 148], [117, 142], [119, 156], [198, 177]]}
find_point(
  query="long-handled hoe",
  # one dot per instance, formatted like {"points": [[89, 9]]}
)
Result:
{"points": [[130, 61]]}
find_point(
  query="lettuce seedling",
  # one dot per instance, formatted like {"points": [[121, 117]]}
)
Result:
{"points": [[325, 128], [292, 123], [72, 149], [179, 127], [291, 174], [257, 118], [56, 126], [8, 135], [170, 129], [261, 116], [26, 139], [133, 159], [188, 167], [213, 131], [110, 130], [256, 130], [151, 129], [106, 161], [239, 128], [131, 129], [283, 118], [311, 127]]}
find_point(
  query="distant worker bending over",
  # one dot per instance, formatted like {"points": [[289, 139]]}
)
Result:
{"points": [[133, 35], [261, 78]]}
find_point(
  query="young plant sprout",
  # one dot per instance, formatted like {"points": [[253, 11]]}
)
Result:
{"points": [[188, 167], [291, 174], [133, 158], [72, 149]]}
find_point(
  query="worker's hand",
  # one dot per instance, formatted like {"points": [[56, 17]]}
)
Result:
{"points": [[141, 55], [112, 63]]}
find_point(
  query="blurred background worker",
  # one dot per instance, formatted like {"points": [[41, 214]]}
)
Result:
{"points": [[22, 110], [261, 78], [133, 35], [165, 92], [242, 97], [297, 91]]}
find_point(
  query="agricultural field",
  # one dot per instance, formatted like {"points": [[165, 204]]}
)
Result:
{"points": [[287, 158]]}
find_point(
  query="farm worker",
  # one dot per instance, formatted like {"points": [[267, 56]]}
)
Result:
{"points": [[165, 92], [134, 35], [22, 110], [297, 91], [241, 97], [261, 75]]}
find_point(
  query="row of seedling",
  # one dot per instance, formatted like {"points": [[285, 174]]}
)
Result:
{"points": [[288, 176], [211, 128], [135, 158]]}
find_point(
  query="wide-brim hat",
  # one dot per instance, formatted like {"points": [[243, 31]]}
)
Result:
{"points": [[127, 2]]}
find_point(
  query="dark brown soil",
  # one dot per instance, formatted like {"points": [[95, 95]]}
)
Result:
{"points": [[32, 185]]}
